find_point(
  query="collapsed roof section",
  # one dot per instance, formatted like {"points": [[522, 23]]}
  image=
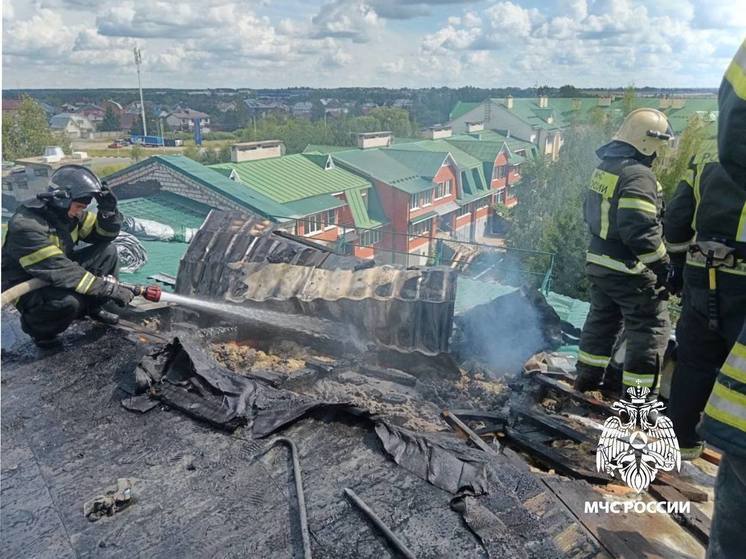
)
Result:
{"points": [[410, 310]]}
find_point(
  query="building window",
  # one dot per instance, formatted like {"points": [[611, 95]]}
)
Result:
{"points": [[462, 211], [413, 202], [426, 198], [500, 197], [498, 172], [443, 189], [329, 218], [313, 224], [370, 238], [420, 229]]}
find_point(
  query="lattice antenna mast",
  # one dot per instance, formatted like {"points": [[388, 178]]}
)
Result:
{"points": [[138, 63]]}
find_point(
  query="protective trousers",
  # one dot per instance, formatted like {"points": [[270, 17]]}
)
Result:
{"points": [[701, 351], [49, 311], [727, 536], [629, 300]]}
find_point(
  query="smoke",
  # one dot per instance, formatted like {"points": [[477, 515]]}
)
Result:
{"points": [[501, 335]]}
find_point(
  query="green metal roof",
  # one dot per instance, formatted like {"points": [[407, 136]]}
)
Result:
{"points": [[293, 177], [167, 208], [461, 109], [478, 195], [360, 213], [514, 159], [424, 163], [163, 257], [461, 157], [423, 217], [315, 204], [378, 164], [211, 179], [322, 148]]}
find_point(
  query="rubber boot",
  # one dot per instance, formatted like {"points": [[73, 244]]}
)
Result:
{"points": [[588, 378], [692, 452]]}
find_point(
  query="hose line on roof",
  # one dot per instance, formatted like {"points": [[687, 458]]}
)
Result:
{"points": [[132, 255]]}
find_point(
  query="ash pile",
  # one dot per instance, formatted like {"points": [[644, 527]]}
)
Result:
{"points": [[259, 435]]}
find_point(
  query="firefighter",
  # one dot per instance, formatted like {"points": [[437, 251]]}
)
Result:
{"points": [[41, 243], [627, 264], [724, 421], [713, 262]]}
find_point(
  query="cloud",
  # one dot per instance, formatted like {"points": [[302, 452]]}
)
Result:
{"points": [[345, 19], [43, 37]]}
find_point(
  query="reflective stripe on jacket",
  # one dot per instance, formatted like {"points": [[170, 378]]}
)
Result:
{"points": [[39, 243], [623, 210], [724, 421]]}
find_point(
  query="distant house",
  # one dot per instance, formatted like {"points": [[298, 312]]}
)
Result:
{"points": [[302, 108], [183, 119], [72, 125], [225, 106], [93, 113], [10, 106], [260, 108]]}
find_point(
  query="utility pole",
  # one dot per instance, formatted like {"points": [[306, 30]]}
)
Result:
{"points": [[138, 62]]}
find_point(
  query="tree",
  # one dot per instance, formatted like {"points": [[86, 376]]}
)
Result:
{"points": [[26, 133], [136, 153], [549, 217], [153, 128], [570, 91], [671, 165], [111, 122]]}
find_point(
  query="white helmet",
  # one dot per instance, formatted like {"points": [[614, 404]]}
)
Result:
{"points": [[647, 130]]}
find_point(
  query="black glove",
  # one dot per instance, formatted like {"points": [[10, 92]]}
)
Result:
{"points": [[114, 291], [663, 273], [107, 201]]}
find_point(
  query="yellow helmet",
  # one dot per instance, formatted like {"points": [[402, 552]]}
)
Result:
{"points": [[647, 130]]}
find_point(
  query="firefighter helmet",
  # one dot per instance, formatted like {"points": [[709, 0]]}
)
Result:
{"points": [[73, 182], [647, 130]]}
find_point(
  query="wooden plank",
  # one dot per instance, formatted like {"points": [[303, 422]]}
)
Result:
{"points": [[695, 520], [687, 489], [476, 439], [625, 536], [597, 405], [711, 456], [553, 459], [554, 426]]}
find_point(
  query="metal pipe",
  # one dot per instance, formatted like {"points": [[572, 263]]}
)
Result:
{"points": [[10, 295], [298, 490], [390, 536]]}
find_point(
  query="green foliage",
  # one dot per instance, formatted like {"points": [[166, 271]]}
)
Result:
{"points": [[111, 121], [297, 133], [107, 170], [137, 152], [671, 165], [152, 122], [628, 101], [219, 136], [26, 133], [549, 214]]}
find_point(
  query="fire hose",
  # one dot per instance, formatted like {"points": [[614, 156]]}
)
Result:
{"points": [[149, 292]]}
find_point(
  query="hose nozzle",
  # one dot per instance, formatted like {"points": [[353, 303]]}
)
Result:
{"points": [[149, 292]]}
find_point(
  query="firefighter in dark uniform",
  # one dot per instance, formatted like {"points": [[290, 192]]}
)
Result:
{"points": [[626, 263], [705, 230], [724, 420], [41, 243]]}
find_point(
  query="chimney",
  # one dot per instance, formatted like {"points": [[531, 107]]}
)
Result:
{"points": [[366, 140], [678, 103], [509, 102], [474, 127], [543, 101], [605, 100], [664, 102], [252, 151], [438, 132]]}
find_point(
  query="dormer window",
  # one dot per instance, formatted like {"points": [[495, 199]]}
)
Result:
{"points": [[329, 164]]}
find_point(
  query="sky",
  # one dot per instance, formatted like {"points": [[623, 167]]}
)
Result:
{"points": [[389, 43]]}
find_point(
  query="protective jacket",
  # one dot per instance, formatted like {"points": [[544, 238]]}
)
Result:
{"points": [[623, 210], [707, 206], [40, 242], [724, 421]]}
